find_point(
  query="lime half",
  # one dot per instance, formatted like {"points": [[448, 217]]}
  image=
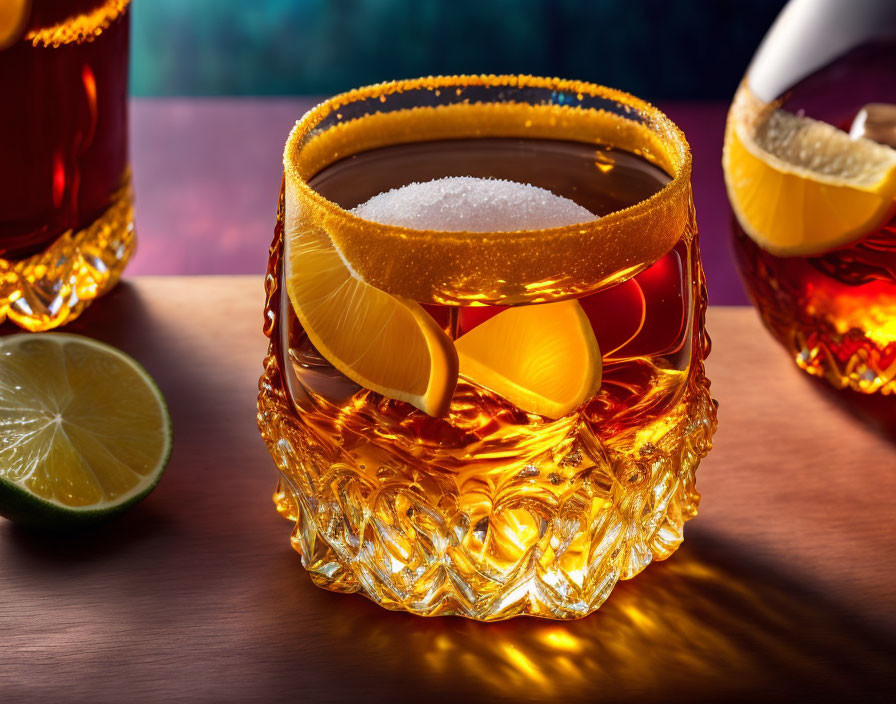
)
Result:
{"points": [[84, 430]]}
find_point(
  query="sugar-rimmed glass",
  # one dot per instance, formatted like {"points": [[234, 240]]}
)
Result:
{"points": [[480, 506]]}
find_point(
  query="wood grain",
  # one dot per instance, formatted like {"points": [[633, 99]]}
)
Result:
{"points": [[785, 587]]}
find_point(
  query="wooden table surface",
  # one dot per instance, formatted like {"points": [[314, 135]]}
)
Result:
{"points": [[785, 586]]}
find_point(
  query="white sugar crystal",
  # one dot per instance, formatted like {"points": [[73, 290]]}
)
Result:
{"points": [[462, 203]]}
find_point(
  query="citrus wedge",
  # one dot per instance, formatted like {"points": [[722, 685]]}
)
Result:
{"points": [[801, 187], [385, 343], [13, 15], [542, 358], [84, 431]]}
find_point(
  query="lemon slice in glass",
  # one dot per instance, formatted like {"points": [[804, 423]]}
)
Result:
{"points": [[385, 343], [84, 431], [542, 358], [800, 187]]}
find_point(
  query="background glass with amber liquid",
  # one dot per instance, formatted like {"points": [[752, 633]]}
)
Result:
{"points": [[834, 310], [491, 511], [66, 215]]}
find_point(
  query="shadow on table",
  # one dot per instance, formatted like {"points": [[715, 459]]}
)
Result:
{"points": [[120, 318], [707, 625], [875, 410], [178, 363], [86, 544]]}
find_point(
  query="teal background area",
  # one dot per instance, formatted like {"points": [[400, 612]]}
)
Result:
{"points": [[658, 49]]}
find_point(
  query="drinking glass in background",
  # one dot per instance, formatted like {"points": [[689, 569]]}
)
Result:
{"points": [[810, 165], [66, 201], [486, 423]]}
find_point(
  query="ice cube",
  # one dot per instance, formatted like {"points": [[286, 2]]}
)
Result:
{"points": [[465, 203], [876, 121]]}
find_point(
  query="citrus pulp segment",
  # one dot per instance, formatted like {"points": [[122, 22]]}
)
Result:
{"points": [[84, 431], [542, 358], [385, 343], [801, 187]]}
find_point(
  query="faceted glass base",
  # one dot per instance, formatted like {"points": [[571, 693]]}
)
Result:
{"points": [[835, 328], [405, 541], [846, 361], [53, 287]]}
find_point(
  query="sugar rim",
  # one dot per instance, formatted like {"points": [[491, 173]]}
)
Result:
{"points": [[655, 118], [510, 267]]}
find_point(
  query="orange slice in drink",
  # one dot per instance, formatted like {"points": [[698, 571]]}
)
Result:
{"points": [[542, 358], [385, 343], [13, 15], [800, 187]]}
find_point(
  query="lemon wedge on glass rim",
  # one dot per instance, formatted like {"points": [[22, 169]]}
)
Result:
{"points": [[800, 187], [84, 430]]}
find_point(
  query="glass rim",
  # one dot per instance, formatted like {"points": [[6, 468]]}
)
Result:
{"points": [[83, 26], [634, 120]]}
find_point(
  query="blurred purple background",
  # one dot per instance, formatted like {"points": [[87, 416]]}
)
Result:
{"points": [[208, 171]]}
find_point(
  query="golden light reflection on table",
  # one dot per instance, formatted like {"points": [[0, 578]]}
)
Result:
{"points": [[684, 623]]}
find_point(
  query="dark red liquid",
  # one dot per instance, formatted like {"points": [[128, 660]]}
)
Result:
{"points": [[839, 302], [63, 130]]}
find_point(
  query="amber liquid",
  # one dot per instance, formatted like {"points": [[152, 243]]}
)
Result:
{"points": [[63, 129], [643, 326], [498, 501], [836, 312]]}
